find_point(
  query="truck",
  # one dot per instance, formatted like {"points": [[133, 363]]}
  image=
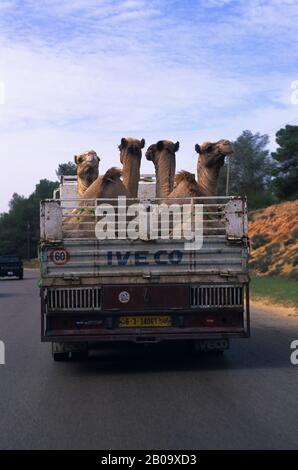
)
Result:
{"points": [[11, 266], [143, 290]]}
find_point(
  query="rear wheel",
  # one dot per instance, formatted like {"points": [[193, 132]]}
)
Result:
{"points": [[64, 351], [60, 356], [212, 347], [79, 355]]}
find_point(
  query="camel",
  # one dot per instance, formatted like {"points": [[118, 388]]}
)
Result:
{"points": [[211, 159], [87, 169], [130, 157], [162, 154], [185, 188], [106, 187]]}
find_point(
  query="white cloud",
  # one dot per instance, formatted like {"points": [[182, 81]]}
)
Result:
{"points": [[81, 74]]}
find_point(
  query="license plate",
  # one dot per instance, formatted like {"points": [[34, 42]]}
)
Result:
{"points": [[145, 321], [10, 273]]}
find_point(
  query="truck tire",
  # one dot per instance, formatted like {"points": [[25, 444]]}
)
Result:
{"points": [[60, 356], [79, 355], [218, 349]]}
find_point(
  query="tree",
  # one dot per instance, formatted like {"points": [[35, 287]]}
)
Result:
{"points": [[23, 215], [250, 170], [286, 156], [66, 169]]}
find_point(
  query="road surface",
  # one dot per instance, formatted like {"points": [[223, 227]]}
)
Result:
{"points": [[138, 398]]}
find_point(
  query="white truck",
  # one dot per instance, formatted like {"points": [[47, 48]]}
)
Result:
{"points": [[145, 291]]}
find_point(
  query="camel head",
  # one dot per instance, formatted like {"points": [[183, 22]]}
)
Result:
{"points": [[87, 169], [211, 159], [166, 148], [212, 154], [130, 147], [163, 155], [130, 157]]}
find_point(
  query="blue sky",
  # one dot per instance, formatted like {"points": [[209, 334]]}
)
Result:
{"points": [[80, 74]]}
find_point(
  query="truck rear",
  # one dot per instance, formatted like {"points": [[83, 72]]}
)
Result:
{"points": [[144, 290]]}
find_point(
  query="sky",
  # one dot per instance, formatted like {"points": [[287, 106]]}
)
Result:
{"points": [[81, 74]]}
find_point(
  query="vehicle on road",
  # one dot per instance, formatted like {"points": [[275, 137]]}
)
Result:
{"points": [[11, 266], [144, 290]]}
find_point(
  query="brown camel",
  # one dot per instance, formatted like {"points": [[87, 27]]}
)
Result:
{"points": [[211, 159], [185, 188], [87, 169], [106, 187], [162, 154], [130, 157]]}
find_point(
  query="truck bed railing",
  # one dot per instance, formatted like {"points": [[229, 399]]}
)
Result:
{"points": [[224, 217]]}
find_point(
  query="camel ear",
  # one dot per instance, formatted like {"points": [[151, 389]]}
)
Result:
{"points": [[159, 145], [123, 143], [177, 145], [76, 159], [142, 143], [197, 148], [98, 158]]}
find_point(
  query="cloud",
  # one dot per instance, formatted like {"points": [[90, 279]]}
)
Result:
{"points": [[81, 74]]}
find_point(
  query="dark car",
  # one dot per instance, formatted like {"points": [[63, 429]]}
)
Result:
{"points": [[11, 266]]}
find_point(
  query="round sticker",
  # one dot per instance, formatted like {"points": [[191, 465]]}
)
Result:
{"points": [[124, 297], [59, 256]]}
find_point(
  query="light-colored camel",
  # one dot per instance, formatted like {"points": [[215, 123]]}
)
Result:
{"points": [[87, 169], [130, 157], [211, 159], [81, 222], [163, 155]]}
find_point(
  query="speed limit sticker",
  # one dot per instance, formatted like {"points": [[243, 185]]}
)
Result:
{"points": [[59, 256]]}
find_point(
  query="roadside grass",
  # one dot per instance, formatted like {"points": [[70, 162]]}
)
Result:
{"points": [[32, 264], [276, 289]]}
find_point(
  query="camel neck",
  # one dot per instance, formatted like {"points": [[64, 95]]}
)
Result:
{"points": [[165, 167], [84, 183], [207, 180], [131, 174]]}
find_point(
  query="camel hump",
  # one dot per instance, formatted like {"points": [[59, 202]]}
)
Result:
{"points": [[111, 175], [185, 176]]}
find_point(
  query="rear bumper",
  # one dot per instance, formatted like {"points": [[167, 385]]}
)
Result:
{"points": [[186, 324], [104, 328], [144, 338], [11, 272]]}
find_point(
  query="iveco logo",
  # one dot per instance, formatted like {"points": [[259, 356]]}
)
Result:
{"points": [[124, 297]]}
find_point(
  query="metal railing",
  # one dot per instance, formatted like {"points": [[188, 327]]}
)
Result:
{"points": [[79, 215]]}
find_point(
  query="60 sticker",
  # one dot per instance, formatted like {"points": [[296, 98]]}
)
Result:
{"points": [[59, 256]]}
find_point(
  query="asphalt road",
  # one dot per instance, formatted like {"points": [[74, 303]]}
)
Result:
{"points": [[138, 398]]}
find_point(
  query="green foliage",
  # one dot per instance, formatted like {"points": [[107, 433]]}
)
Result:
{"points": [[66, 169], [286, 156], [277, 289], [23, 219], [250, 170]]}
